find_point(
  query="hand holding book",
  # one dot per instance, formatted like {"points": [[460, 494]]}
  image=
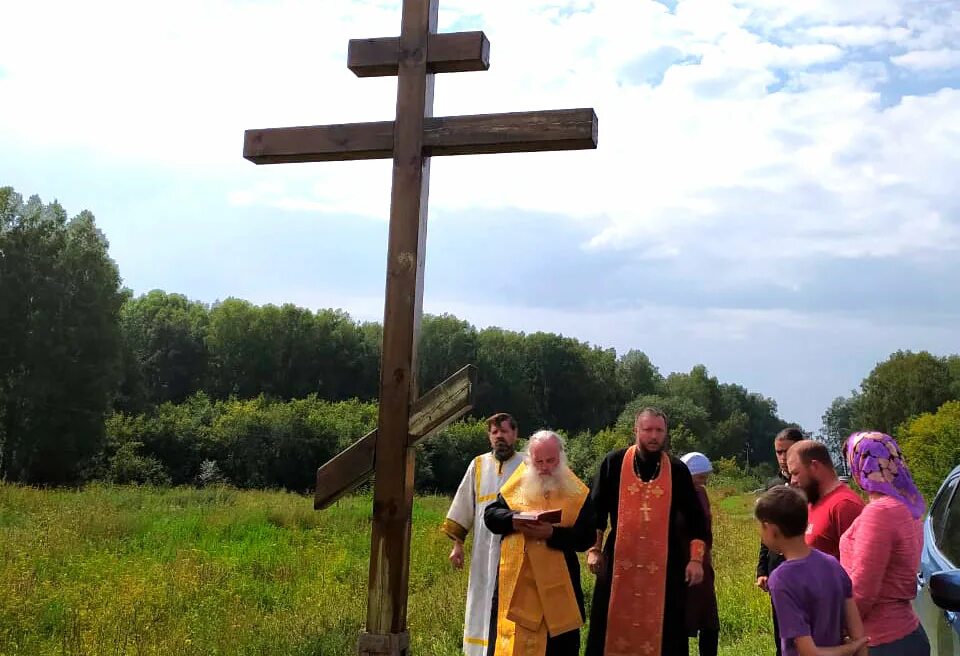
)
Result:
{"points": [[535, 516]]}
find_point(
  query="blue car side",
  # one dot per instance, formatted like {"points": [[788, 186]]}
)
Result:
{"points": [[938, 582]]}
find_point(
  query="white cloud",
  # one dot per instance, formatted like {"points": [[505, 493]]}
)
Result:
{"points": [[858, 35], [774, 14], [927, 60], [772, 131]]}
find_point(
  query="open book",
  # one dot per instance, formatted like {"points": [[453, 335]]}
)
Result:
{"points": [[547, 516]]}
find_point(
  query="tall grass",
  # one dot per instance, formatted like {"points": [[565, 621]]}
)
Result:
{"points": [[138, 571]]}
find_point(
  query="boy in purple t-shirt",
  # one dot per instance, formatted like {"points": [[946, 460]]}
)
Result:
{"points": [[812, 595]]}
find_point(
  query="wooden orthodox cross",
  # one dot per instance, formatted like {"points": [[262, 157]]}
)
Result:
{"points": [[410, 140]]}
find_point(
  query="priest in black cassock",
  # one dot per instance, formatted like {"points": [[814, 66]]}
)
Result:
{"points": [[654, 551], [538, 605]]}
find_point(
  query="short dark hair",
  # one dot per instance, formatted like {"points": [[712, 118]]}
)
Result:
{"points": [[791, 434], [499, 418], [810, 450], [656, 412], [784, 507]]}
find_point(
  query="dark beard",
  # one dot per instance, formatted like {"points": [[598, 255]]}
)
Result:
{"points": [[648, 455], [813, 492], [503, 452]]}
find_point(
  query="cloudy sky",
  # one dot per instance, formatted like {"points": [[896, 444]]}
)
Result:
{"points": [[775, 193]]}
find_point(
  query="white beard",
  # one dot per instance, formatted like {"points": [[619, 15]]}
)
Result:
{"points": [[537, 489]]}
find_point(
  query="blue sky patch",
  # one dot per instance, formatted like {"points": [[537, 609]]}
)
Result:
{"points": [[650, 67]]}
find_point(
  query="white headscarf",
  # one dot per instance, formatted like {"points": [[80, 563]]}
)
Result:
{"points": [[697, 463]]}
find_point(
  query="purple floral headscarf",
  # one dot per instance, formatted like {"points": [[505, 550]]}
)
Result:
{"points": [[878, 466]]}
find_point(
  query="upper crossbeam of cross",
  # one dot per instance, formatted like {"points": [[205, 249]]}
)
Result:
{"points": [[564, 129]]}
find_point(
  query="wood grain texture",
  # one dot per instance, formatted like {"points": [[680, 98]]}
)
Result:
{"points": [[446, 53], [432, 412], [394, 467], [557, 129], [319, 143]]}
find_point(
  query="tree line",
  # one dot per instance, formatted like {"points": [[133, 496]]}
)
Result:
{"points": [[914, 396], [98, 383]]}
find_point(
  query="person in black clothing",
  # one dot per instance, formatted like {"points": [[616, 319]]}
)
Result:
{"points": [[630, 490], [770, 560], [703, 617]]}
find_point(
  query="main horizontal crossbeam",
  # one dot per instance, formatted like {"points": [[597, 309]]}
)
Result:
{"points": [[430, 414], [446, 53], [560, 129]]}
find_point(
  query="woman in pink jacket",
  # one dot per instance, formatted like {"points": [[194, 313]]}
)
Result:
{"points": [[881, 549]]}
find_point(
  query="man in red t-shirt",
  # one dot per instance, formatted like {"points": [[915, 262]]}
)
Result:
{"points": [[833, 505]]}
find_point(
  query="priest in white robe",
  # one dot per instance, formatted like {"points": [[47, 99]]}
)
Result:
{"points": [[485, 475]]}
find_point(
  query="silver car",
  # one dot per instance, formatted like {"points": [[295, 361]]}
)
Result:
{"points": [[938, 598]]}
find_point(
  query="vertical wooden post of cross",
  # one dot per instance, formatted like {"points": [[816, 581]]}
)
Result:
{"points": [[394, 468]]}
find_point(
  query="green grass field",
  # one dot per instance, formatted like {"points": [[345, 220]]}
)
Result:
{"points": [[137, 571]]}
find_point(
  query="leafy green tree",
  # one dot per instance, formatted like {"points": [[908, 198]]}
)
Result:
{"points": [[838, 423], [602, 394], [637, 375], [165, 335], [348, 361], [288, 352], [503, 384], [953, 369], [239, 352], [903, 386], [60, 300], [683, 440], [559, 378], [698, 386], [687, 421], [367, 383], [763, 422], [931, 446], [730, 436], [446, 345], [295, 356]]}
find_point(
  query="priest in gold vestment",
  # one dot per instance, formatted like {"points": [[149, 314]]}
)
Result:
{"points": [[537, 605]]}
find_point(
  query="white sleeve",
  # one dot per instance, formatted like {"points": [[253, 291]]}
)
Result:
{"points": [[462, 511]]}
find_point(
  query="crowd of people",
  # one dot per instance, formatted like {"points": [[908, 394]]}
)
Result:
{"points": [[839, 567]]}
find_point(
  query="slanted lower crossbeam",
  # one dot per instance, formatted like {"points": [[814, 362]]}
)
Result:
{"points": [[561, 129], [430, 414]]}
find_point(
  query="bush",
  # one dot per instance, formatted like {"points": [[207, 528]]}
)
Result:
{"points": [[254, 443], [210, 474], [587, 450], [176, 435], [442, 460], [728, 475], [128, 466]]}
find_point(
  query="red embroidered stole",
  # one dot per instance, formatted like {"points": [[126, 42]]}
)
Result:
{"points": [[635, 618]]}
